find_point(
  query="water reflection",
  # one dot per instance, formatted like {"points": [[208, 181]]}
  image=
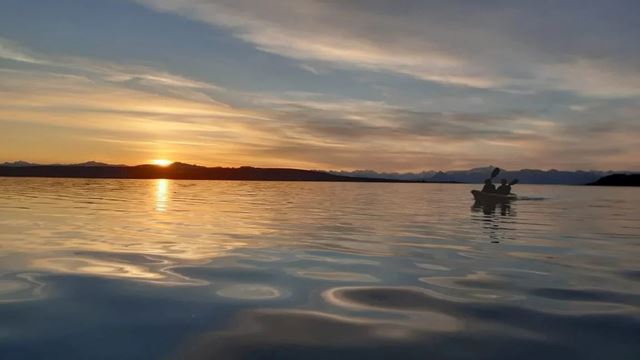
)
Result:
{"points": [[95, 267], [495, 218], [162, 194], [489, 208], [250, 292], [314, 270], [423, 327]]}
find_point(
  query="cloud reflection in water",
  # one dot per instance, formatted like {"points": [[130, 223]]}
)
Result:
{"points": [[148, 268]]}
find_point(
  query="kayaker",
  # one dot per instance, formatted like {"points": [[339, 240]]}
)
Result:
{"points": [[504, 188], [488, 187]]}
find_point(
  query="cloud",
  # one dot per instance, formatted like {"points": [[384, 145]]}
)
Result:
{"points": [[303, 130], [12, 51], [140, 111], [107, 71], [587, 47], [297, 129]]}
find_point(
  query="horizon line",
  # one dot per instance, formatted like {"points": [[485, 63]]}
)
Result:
{"points": [[9, 162]]}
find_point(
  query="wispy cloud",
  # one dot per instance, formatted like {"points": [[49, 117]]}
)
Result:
{"points": [[133, 112], [508, 46], [12, 51], [107, 71]]}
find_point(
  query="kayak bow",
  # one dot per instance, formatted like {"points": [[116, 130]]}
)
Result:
{"points": [[491, 197]]}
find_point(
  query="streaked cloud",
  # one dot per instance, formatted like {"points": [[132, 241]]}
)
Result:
{"points": [[12, 51], [108, 71], [509, 46]]}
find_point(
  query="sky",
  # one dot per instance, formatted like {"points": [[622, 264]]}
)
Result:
{"points": [[404, 85]]}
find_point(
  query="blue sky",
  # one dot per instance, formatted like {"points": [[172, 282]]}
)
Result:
{"points": [[385, 85]]}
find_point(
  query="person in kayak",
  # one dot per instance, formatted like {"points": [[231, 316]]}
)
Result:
{"points": [[504, 188], [488, 187]]}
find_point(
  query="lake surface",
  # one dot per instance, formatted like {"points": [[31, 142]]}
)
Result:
{"points": [[149, 269]]}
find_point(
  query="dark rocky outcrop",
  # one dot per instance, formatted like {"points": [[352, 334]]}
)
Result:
{"points": [[618, 180]]}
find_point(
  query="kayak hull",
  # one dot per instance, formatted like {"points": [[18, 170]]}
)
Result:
{"points": [[494, 198]]}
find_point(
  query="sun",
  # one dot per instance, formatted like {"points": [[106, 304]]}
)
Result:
{"points": [[161, 162]]}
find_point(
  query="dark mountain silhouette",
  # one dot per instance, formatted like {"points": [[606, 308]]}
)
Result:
{"points": [[387, 175], [477, 175], [94, 169], [176, 171], [21, 163], [93, 163], [618, 180], [18, 163]]}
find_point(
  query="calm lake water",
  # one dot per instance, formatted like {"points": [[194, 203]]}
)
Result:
{"points": [[149, 269]]}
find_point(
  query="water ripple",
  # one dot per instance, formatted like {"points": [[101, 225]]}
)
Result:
{"points": [[214, 269]]}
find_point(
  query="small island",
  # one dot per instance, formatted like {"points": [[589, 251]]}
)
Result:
{"points": [[618, 180]]}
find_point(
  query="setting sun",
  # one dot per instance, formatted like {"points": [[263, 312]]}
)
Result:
{"points": [[161, 162]]}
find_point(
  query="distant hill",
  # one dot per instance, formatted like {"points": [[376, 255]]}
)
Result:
{"points": [[478, 175], [21, 163], [93, 163], [387, 175], [618, 180], [175, 171], [18, 163]]}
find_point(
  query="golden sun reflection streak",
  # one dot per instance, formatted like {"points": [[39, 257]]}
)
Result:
{"points": [[162, 194]]}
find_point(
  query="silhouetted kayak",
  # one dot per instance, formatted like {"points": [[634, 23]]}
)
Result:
{"points": [[490, 197]]}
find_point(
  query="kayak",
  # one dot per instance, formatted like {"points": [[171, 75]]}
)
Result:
{"points": [[491, 197]]}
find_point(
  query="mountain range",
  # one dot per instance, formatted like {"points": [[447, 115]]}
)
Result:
{"points": [[186, 171], [478, 175], [176, 170], [21, 163]]}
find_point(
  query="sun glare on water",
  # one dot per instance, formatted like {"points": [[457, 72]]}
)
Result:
{"points": [[161, 162]]}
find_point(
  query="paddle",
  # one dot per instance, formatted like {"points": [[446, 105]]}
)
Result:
{"points": [[495, 172]]}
